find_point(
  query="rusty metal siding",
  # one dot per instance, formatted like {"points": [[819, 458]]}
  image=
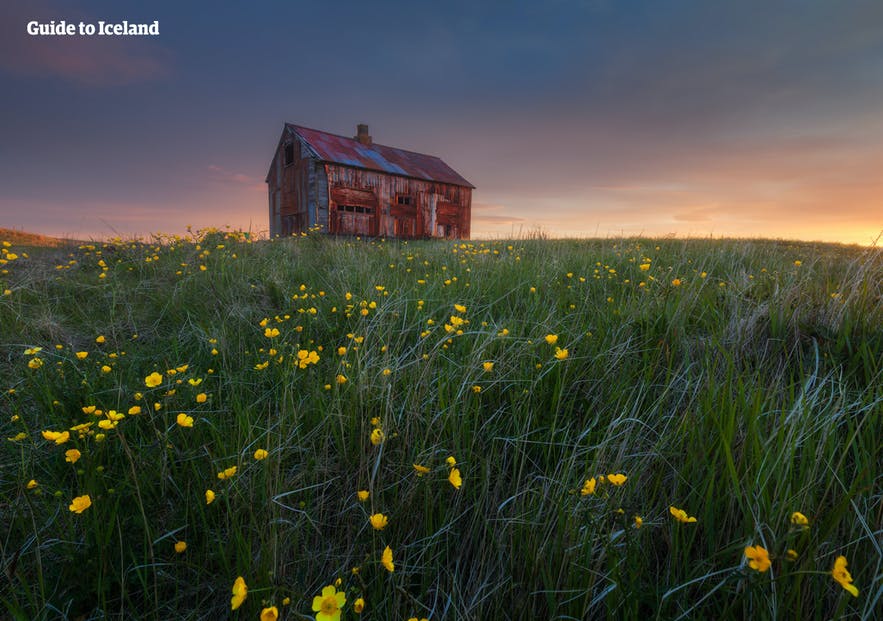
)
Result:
{"points": [[352, 186]]}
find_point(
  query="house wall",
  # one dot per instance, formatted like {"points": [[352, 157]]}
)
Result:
{"points": [[437, 209], [292, 189], [353, 201]]}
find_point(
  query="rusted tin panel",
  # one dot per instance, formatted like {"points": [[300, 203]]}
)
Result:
{"points": [[352, 196], [347, 221], [337, 149]]}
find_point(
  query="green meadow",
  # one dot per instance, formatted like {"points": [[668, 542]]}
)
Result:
{"points": [[317, 428]]}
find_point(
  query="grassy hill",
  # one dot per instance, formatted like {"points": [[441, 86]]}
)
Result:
{"points": [[511, 429], [23, 238]]}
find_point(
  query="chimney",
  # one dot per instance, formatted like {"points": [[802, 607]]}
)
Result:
{"points": [[362, 136]]}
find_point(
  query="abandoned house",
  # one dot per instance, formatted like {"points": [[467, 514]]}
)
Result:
{"points": [[352, 186]]}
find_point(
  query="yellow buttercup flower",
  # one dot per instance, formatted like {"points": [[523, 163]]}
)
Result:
{"points": [[759, 558], [260, 454], [362, 495], [209, 496], [80, 504], [377, 436], [228, 473], [551, 339], [240, 592], [589, 487], [639, 521], [459, 308], [184, 421], [421, 470], [561, 354], [487, 366], [616, 479], [59, 437], [201, 397], [451, 461], [680, 515], [72, 455], [676, 282], [386, 560], [270, 614], [81, 355], [329, 604], [32, 484], [359, 606], [180, 547], [305, 358], [798, 519], [454, 478], [153, 380], [378, 521], [341, 379], [842, 576], [271, 333]]}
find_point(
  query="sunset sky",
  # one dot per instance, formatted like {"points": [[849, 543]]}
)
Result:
{"points": [[577, 117]]}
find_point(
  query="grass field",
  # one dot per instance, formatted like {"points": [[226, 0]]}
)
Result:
{"points": [[535, 422]]}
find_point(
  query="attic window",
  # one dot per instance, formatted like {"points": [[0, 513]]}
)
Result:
{"points": [[404, 199], [289, 153]]}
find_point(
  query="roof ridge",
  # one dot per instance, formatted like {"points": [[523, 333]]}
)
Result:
{"points": [[340, 149], [386, 146]]}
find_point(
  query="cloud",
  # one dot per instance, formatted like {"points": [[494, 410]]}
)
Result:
{"points": [[93, 61], [487, 213], [701, 214], [222, 175]]}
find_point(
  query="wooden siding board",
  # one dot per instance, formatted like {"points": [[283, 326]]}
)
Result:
{"points": [[321, 196]]}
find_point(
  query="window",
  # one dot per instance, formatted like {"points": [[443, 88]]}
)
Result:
{"points": [[289, 153], [355, 209], [404, 199]]}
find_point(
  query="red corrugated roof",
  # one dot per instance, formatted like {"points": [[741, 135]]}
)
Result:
{"points": [[350, 152]]}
